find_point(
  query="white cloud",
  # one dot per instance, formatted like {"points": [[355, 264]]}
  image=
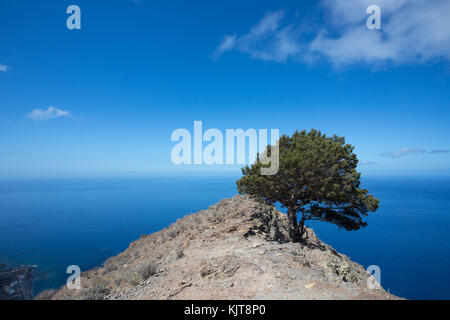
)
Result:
{"points": [[50, 113], [3, 68], [404, 152], [413, 31]]}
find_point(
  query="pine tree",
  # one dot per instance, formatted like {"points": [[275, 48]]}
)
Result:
{"points": [[317, 180]]}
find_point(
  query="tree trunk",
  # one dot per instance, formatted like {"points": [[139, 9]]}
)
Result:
{"points": [[302, 229], [294, 232]]}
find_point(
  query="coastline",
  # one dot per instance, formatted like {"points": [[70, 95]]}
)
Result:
{"points": [[16, 283]]}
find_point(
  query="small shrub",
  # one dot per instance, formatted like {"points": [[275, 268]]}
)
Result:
{"points": [[134, 278], [118, 281], [123, 258], [163, 238], [179, 253], [197, 219], [97, 291], [172, 233], [148, 270], [182, 226], [110, 266]]}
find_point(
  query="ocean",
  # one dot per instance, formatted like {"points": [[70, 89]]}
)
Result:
{"points": [[54, 223]]}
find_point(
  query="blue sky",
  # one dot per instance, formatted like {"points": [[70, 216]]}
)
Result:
{"points": [[105, 99]]}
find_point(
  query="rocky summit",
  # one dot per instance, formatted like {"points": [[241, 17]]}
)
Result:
{"points": [[237, 249]]}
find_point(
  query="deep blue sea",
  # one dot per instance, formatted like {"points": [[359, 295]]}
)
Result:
{"points": [[58, 222]]}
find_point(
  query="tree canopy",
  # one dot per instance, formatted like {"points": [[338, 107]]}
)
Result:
{"points": [[317, 180]]}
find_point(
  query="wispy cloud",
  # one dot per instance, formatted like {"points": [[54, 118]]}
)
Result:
{"points": [[413, 31], [228, 43], [440, 151], [3, 68], [411, 151], [367, 163], [50, 113], [403, 152], [269, 39]]}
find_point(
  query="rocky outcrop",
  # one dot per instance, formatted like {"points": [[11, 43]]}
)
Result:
{"points": [[237, 249]]}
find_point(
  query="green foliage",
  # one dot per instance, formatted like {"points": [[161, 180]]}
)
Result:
{"points": [[317, 179]]}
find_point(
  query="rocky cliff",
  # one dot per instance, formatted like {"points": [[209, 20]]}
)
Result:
{"points": [[237, 249]]}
